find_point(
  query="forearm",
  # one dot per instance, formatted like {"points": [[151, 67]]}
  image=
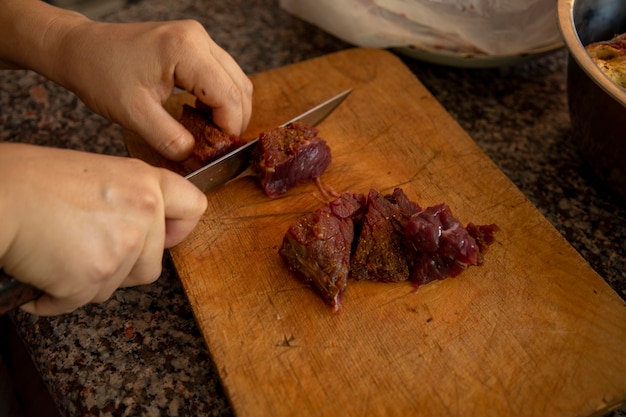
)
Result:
{"points": [[33, 35]]}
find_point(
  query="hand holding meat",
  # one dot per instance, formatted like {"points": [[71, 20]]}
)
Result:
{"points": [[126, 71], [78, 226]]}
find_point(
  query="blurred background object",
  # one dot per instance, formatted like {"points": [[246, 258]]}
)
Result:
{"points": [[597, 105], [462, 33], [92, 8]]}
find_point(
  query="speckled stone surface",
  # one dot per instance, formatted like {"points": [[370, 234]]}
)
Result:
{"points": [[141, 353]]}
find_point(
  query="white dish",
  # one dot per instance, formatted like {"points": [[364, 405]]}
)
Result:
{"points": [[469, 60]]}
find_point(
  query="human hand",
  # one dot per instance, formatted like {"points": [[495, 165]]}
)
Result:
{"points": [[125, 72], [78, 226]]}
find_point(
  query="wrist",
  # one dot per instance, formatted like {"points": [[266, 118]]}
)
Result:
{"points": [[33, 35]]}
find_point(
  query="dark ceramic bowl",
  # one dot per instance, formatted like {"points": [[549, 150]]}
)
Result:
{"points": [[597, 105]]}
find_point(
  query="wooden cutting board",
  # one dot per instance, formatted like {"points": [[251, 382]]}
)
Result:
{"points": [[533, 332]]}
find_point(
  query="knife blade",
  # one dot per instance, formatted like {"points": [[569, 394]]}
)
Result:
{"points": [[222, 170], [14, 293]]}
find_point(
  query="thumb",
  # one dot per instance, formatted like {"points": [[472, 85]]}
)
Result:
{"points": [[184, 205], [159, 129]]}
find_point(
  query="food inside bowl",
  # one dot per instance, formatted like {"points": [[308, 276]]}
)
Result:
{"points": [[610, 57]]}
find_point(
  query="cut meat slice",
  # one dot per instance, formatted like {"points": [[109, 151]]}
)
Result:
{"points": [[211, 142], [439, 245], [289, 155], [382, 238], [484, 236], [317, 246], [380, 253]]}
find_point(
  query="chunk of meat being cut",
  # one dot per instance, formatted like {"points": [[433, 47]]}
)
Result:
{"points": [[317, 246], [440, 247], [211, 142], [289, 155], [380, 253]]}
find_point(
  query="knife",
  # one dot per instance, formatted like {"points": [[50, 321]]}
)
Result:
{"points": [[14, 293], [222, 170]]}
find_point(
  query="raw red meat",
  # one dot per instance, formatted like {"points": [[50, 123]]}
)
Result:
{"points": [[317, 247], [384, 238], [439, 245], [289, 155], [211, 142], [484, 236], [380, 254]]}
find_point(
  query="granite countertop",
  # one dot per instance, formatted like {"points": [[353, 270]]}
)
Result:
{"points": [[141, 352]]}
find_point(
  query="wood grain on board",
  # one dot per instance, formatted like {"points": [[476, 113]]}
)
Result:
{"points": [[533, 332]]}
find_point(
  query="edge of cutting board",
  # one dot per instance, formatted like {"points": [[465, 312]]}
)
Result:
{"points": [[537, 336]]}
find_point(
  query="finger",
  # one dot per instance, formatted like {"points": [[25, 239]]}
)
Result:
{"points": [[149, 263], [49, 306], [216, 79], [224, 98], [183, 207], [241, 81], [52, 305], [184, 204]]}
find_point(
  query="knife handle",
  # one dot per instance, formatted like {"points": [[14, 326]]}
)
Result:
{"points": [[14, 293]]}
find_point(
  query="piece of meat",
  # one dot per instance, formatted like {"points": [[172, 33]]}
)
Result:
{"points": [[383, 238], [289, 155], [211, 142], [317, 247], [380, 253], [484, 236], [407, 207], [439, 245]]}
